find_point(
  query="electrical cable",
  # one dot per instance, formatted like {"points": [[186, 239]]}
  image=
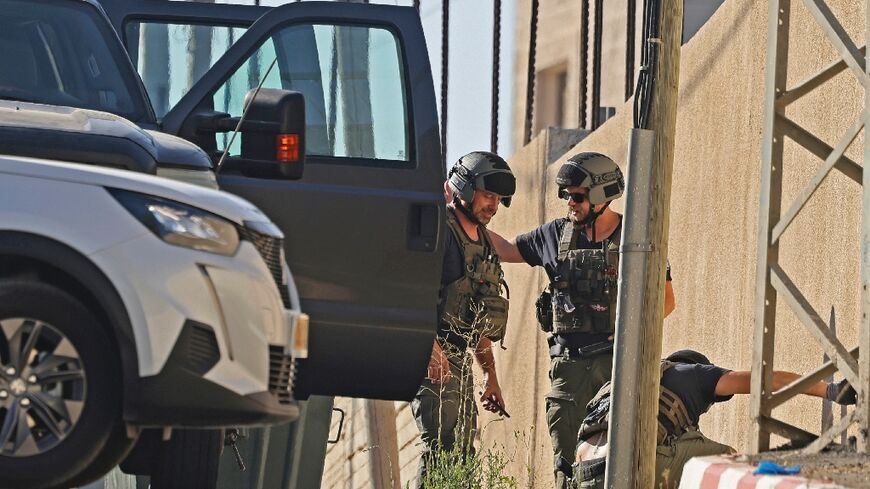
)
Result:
{"points": [[530, 74], [584, 63], [496, 61], [649, 61], [445, 58]]}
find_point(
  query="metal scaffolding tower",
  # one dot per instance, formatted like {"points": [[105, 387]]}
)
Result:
{"points": [[771, 280]]}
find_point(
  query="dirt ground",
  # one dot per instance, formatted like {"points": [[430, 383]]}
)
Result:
{"points": [[848, 469]]}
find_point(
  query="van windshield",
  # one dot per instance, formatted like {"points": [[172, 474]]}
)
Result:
{"points": [[66, 53]]}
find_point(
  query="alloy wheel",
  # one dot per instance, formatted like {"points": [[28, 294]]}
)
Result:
{"points": [[42, 387]]}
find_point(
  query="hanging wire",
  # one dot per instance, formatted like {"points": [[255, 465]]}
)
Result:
{"points": [[649, 59], [417, 5], [496, 61], [530, 76], [584, 63], [630, 26], [445, 58], [596, 64]]}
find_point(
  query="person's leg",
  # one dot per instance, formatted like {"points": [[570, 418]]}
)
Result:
{"points": [[466, 427], [436, 413], [573, 383], [671, 458]]}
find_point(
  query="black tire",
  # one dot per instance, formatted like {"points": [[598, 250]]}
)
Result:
{"points": [[116, 448], [189, 460], [73, 363]]}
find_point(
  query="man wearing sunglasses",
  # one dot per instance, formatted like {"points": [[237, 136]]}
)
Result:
{"points": [[580, 254], [472, 312]]}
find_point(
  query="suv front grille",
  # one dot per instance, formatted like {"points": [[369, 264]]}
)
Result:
{"points": [[282, 374], [270, 249]]}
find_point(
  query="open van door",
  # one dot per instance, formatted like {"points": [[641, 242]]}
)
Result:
{"points": [[364, 224]]}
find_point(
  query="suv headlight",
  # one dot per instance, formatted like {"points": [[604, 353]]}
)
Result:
{"points": [[180, 224]]}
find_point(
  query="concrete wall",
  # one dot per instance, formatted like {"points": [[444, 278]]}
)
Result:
{"points": [[713, 224], [559, 48]]}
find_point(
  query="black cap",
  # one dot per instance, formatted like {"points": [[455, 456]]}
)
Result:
{"points": [[688, 356]]}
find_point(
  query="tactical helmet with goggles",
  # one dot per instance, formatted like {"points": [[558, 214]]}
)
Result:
{"points": [[485, 171], [597, 172]]}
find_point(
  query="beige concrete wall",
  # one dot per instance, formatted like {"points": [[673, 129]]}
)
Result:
{"points": [[715, 198], [713, 224]]}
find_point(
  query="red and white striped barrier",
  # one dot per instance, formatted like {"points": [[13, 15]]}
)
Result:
{"points": [[719, 472]]}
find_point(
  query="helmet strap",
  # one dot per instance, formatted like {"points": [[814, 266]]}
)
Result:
{"points": [[457, 203], [589, 220]]}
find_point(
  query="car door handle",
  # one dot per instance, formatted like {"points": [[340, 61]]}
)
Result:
{"points": [[423, 225]]}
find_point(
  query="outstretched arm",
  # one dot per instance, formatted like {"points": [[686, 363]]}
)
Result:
{"points": [[492, 390], [739, 383], [507, 251]]}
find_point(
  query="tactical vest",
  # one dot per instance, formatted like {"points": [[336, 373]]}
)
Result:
{"points": [[670, 406], [585, 279], [473, 303]]}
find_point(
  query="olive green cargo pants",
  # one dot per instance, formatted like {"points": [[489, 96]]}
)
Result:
{"points": [[573, 383], [446, 414], [670, 459], [673, 455]]}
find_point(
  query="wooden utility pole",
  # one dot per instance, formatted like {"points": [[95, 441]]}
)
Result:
{"points": [[636, 371]]}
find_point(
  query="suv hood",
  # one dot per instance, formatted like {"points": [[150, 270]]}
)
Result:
{"points": [[96, 134], [221, 203]]}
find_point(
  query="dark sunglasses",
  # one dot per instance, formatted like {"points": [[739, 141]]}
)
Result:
{"points": [[577, 197]]}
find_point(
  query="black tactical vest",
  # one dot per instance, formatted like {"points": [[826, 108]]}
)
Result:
{"points": [[670, 406], [585, 280], [473, 303]]}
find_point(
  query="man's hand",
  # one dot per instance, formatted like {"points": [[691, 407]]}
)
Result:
{"points": [[491, 397], [438, 370], [841, 393]]}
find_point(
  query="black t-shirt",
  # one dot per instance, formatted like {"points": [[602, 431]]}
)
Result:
{"points": [[453, 269], [695, 384]]}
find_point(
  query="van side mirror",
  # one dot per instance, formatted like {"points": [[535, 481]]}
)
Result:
{"points": [[273, 130], [272, 134]]}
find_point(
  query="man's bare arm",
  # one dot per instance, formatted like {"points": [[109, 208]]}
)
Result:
{"points": [[739, 383], [491, 397], [507, 251]]}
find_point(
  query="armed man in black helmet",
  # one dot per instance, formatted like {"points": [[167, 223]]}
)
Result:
{"points": [[473, 311], [580, 255], [690, 385]]}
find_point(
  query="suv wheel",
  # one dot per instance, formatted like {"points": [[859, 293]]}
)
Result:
{"points": [[59, 386]]}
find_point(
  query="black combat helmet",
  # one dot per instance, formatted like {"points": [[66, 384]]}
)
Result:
{"points": [[482, 170]]}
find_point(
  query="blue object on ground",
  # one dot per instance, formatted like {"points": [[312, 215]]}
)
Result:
{"points": [[767, 467]]}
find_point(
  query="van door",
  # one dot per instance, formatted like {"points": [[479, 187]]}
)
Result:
{"points": [[364, 225]]}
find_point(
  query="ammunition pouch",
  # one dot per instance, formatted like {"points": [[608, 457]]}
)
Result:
{"points": [[492, 321], [588, 278], [544, 310]]}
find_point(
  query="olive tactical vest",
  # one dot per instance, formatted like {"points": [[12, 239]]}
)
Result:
{"points": [[473, 303], [588, 278], [670, 406]]}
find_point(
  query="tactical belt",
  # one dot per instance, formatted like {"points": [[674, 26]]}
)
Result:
{"points": [[589, 351], [588, 470]]}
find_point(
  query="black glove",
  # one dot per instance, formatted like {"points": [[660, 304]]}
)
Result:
{"points": [[841, 393]]}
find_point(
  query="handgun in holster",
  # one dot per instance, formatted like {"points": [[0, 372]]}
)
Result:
{"points": [[544, 310]]}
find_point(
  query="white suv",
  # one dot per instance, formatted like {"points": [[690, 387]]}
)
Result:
{"points": [[128, 300]]}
